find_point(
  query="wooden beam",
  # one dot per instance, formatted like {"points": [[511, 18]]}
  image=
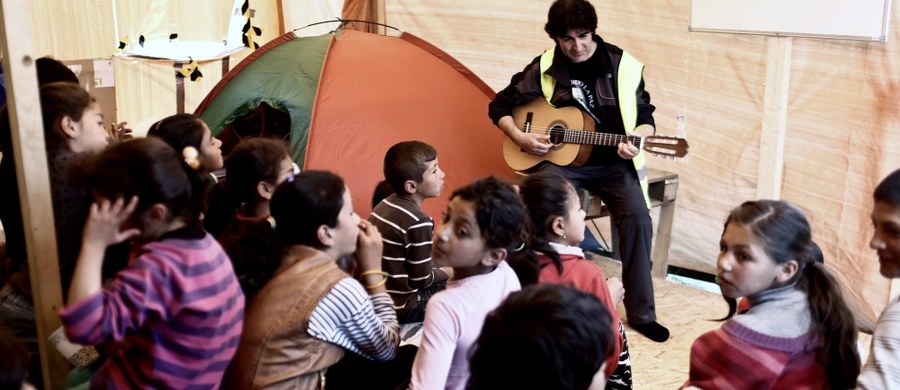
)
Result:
{"points": [[27, 127], [774, 122]]}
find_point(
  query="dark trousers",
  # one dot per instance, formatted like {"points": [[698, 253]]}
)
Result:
{"points": [[415, 310], [618, 187], [356, 372]]}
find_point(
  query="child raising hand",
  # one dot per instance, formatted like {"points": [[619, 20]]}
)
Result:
{"points": [[176, 312]]}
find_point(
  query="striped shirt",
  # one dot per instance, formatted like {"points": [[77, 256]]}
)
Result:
{"points": [[349, 317], [882, 370], [176, 314], [771, 346], [406, 234]]}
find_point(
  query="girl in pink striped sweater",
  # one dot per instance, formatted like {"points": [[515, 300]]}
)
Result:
{"points": [[798, 333], [173, 317]]}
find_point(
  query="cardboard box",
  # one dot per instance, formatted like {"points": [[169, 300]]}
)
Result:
{"points": [[98, 78]]}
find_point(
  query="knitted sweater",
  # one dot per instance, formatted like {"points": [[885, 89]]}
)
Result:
{"points": [[176, 314], [771, 346]]}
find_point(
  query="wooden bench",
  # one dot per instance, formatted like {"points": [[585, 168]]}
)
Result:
{"points": [[663, 188]]}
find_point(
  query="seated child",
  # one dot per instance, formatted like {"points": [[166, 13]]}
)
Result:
{"points": [[176, 313], [798, 333], [411, 168], [484, 223], [547, 336], [310, 312], [882, 370], [255, 167], [183, 130], [556, 227]]}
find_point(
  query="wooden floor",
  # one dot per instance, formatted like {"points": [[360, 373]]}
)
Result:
{"points": [[687, 312]]}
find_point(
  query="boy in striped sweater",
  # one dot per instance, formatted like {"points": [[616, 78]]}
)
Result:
{"points": [[411, 169]]}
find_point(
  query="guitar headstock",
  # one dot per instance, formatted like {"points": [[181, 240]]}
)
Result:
{"points": [[664, 146]]}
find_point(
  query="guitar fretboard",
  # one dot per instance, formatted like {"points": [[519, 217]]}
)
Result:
{"points": [[592, 138]]}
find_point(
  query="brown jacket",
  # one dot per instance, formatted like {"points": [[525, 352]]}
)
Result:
{"points": [[275, 350]]}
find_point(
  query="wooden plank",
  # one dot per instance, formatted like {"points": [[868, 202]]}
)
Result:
{"points": [[660, 253], [663, 194], [34, 185], [774, 122]]}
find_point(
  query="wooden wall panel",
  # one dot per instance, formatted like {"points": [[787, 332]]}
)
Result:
{"points": [[298, 14], [73, 30]]}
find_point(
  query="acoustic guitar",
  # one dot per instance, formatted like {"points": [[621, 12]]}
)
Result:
{"points": [[572, 133]]}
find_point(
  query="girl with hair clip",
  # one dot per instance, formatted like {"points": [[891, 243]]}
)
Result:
{"points": [[254, 169], [183, 130], [175, 314], [484, 223], [556, 226], [798, 332], [310, 312], [882, 369]]}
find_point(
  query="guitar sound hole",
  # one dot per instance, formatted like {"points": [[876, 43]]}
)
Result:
{"points": [[556, 135]]}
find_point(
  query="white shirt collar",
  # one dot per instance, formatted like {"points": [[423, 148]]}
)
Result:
{"points": [[567, 250]]}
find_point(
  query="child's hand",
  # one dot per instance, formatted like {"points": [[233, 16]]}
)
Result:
{"points": [[119, 132], [104, 220], [368, 247], [448, 271], [616, 289]]}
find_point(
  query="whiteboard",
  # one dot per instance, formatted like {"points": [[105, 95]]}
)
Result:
{"points": [[839, 19]]}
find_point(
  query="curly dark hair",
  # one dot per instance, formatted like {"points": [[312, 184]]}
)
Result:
{"points": [[546, 336], [498, 210], [565, 15]]}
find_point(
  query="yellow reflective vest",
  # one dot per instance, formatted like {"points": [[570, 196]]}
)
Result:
{"points": [[628, 78]]}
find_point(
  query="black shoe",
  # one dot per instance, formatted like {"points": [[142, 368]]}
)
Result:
{"points": [[653, 331]]}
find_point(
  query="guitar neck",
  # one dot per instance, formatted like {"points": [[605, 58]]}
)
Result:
{"points": [[599, 139]]}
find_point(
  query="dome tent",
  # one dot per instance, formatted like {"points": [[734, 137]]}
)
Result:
{"points": [[350, 95]]}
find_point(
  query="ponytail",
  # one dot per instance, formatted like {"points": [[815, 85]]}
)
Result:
{"points": [[526, 264], [732, 308], [834, 322], [201, 182]]}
